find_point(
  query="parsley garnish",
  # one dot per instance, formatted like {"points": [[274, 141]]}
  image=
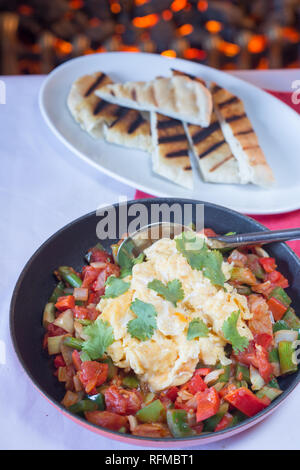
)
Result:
{"points": [[239, 343], [172, 292], [197, 329], [200, 257], [115, 287], [100, 335], [144, 325]]}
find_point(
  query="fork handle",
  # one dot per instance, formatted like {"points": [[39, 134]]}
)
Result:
{"points": [[261, 238]]}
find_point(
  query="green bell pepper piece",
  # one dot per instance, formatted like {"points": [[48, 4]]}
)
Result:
{"points": [[273, 383], [280, 294], [112, 369], [291, 318], [286, 352], [83, 405], [280, 325], [178, 425], [226, 374], [269, 392], [74, 343], [213, 421], [131, 381], [273, 355], [151, 413], [69, 277], [242, 373], [58, 292], [99, 400]]}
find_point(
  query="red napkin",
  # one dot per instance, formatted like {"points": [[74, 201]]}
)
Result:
{"points": [[273, 222]]}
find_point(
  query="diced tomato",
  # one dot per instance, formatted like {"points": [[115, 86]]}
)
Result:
{"points": [[196, 384], [276, 278], [172, 393], [227, 389], [224, 423], [90, 274], [99, 256], [264, 367], [157, 430], [93, 374], [264, 288], [261, 320], [59, 361], [106, 419], [80, 312], [198, 428], [123, 402], [277, 308], [94, 298], [112, 270], [263, 339], [209, 232], [208, 403], [76, 359], [53, 330], [268, 264], [245, 401], [93, 313], [65, 302], [203, 371]]}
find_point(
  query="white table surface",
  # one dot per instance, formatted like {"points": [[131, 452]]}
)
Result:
{"points": [[43, 186]]}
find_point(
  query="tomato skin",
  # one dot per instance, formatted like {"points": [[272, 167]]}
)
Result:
{"points": [[208, 403], [53, 330], [224, 423], [81, 312], [90, 274], [92, 374], [226, 390], [65, 302], [277, 308], [106, 419], [59, 361], [268, 264], [245, 401], [196, 384], [264, 340], [257, 356], [76, 360], [172, 393], [123, 402], [203, 371], [261, 320], [276, 278], [209, 232], [99, 256]]}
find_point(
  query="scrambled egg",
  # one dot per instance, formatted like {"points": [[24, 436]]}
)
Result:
{"points": [[169, 358]]}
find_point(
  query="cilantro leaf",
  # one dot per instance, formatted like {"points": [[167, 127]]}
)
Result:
{"points": [[115, 287], [200, 257], [100, 335], [172, 292], [144, 325], [126, 259], [239, 343], [197, 329]]}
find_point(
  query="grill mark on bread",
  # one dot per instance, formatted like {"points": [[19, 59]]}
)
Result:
{"points": [[120, 113], [235, 117], [248, 131], [187, 168], [178, 153], [94, 85], [133, 94], [136, 123], [228, 102], [167, 124], [100, 105], [171, 138], [205, 132], [215, 89], [218, 165], [250, 147], [212, 148]]}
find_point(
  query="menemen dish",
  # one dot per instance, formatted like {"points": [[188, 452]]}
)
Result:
{"points": [[182, 340]]}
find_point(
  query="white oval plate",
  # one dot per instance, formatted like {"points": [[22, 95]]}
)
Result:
{"points": [[277, 126]]}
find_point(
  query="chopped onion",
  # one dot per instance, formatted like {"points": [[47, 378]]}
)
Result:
{"points": [[66, 354], [98, 264], [65, 321], [62, 374], [285, 335], [70, 398], [261, 252], [256, 379], [77, 384], [81, 293], [213, 376], [132, 422]]}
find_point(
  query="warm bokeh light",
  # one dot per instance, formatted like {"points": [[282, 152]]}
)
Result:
{"points": [[115, 7], [291, 34], [185, 29], [169, 53], [257, 44], [202, 5], [167, 15], [63, 47], [76, 4], [213, 26], [178, 5], [193, 53], [126, 48], [25, 10], [228, 48], [145, 21], [94, 22], [140, 2]]}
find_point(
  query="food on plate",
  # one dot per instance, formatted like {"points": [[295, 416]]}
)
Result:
{"points": [[216, 161], [239, 133], [101, 119], [180, 341], [178, 97], [170, 154]]}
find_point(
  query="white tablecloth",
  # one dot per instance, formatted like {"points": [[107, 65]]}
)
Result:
{"points": [[43, 186]]}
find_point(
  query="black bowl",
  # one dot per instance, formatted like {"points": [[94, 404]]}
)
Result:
{"points": [[67, 247]]}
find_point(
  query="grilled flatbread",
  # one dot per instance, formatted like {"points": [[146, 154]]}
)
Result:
{"points": [[216, 161], [178, 97], [170, 155], [239, 134], [106, 120]]}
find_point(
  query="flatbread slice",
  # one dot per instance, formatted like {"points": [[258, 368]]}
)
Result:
{"points": [[170, 155], [102, 119], [178, 97], [242, 139], [216, 161]]}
